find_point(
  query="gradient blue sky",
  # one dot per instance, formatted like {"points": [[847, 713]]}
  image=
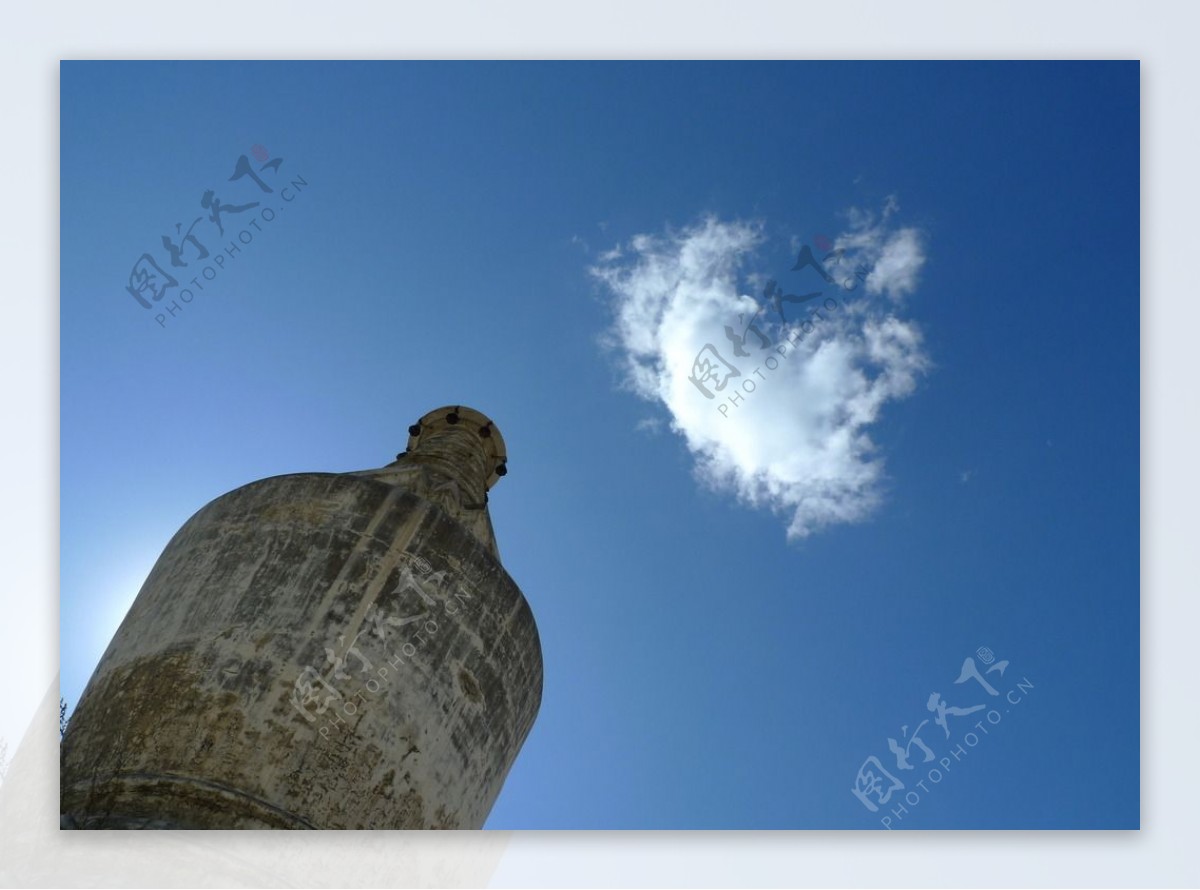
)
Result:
{"points": [[701, 670]]}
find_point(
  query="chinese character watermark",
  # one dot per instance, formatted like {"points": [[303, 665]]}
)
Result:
{"points": [[712, 372], [151, 285], [350, 677], [875, 785]]}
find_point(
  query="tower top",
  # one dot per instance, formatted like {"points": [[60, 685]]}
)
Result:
{"points": [[459, 418]]}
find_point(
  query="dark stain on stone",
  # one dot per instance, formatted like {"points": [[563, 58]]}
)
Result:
{"points": [[469, 685]]}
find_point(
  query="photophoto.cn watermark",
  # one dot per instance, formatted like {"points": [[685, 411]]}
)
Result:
{"points": [[894, 794], [214, 240], [712, 372], [349, 679]]}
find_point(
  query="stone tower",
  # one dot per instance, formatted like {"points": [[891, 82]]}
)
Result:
{"points": [[319, 650]]}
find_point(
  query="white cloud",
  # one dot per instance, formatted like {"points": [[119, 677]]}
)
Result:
{"points": [[650, 425], [894, 255], [799, 442]]}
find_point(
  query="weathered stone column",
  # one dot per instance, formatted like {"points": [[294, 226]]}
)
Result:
{"points": [[319, 650]]}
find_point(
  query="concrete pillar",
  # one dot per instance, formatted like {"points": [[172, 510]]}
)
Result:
{"points": [[319, 650]]}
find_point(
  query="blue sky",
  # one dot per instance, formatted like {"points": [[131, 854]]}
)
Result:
{"points": [[703, 668]]}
